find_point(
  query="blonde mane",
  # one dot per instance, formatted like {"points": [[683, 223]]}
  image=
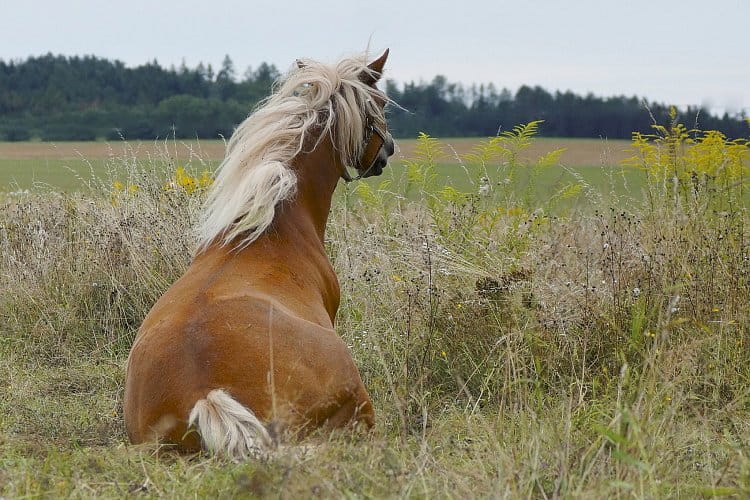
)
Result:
{"points": [[255, 175]]}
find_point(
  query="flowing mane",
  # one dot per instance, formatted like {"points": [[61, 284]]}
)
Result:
{"points": [[255, 175]]}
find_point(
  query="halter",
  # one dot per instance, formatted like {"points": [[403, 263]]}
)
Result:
{"points": [[375, 140]]}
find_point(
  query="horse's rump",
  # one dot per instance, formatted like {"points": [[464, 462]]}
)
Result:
{"points": [[224, 374]]}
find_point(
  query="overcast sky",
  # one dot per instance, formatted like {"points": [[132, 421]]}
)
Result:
{"points": [[682, 52]]}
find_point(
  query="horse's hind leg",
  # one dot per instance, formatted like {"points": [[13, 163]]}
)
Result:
{"points": [[353, 410]]}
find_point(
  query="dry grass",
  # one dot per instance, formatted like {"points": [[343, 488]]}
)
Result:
{"points": [[508, 353]]}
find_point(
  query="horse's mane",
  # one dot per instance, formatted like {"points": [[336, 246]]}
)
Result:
{"points": [[255, 175]]}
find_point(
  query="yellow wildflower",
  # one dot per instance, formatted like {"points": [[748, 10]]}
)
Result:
{"points": [[205, 179]]}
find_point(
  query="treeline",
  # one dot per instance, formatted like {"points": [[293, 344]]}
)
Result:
{"points": [[85, 98], [449, 109]]}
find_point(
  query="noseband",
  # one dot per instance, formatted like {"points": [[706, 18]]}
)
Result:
{"points": [[374, 142]]}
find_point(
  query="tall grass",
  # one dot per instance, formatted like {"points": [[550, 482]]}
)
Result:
{"points": [[513, 347]]}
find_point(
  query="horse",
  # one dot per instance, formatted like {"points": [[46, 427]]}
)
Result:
{"points": [[241, 349]]}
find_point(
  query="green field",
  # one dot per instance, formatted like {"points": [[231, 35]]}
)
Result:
{"points": [[50, 174], [71, 167], [75, 175]]}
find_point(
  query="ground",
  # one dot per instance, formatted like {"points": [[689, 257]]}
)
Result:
{"points": [[549, 335]]}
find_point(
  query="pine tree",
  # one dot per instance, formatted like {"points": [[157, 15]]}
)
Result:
{"points": [[226, 73]]}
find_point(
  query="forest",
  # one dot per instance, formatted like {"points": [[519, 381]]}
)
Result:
{"points": [[55, 97]]}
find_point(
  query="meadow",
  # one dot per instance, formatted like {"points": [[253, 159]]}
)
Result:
{"points": [[70, 166], [523, 333]]}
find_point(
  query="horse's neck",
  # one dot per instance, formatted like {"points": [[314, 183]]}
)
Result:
{"points": [[318, 173], [295, 240]]}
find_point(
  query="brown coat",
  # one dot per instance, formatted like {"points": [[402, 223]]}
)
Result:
{"points": [[257, 323]]}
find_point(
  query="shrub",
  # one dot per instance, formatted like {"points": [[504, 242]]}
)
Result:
{"points": [[67, 132], [14, 134]]}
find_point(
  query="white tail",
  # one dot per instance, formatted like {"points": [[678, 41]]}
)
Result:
{"points": [[228, 428]]}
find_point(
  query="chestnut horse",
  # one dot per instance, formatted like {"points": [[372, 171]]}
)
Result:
{"points": [[243, 344]]}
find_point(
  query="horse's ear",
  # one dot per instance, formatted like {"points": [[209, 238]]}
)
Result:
{"points": [[376, 69], [300, 64]]}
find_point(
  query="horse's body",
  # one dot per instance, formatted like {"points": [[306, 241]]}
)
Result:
{"points": [[245, 338]]}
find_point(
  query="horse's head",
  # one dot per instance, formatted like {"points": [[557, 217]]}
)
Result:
{"points": [[350, 108], [319, 115], [378, 143]]}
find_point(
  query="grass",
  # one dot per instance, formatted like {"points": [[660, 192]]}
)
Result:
{"points": [[514, 345], [69, 166], [52, 174]]}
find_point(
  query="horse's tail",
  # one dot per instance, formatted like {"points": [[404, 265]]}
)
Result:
{"points": [[227, 428]]}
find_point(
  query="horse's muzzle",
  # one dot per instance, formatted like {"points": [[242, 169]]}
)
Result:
{"points": [[385, 152]]}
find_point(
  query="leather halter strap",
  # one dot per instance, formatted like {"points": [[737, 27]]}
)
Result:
{"points": [[375, 141]]}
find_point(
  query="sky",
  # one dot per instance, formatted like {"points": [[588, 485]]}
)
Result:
{"points": [[688, 52]]}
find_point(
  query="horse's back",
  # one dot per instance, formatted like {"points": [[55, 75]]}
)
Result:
{"points": [[279, 365]]}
